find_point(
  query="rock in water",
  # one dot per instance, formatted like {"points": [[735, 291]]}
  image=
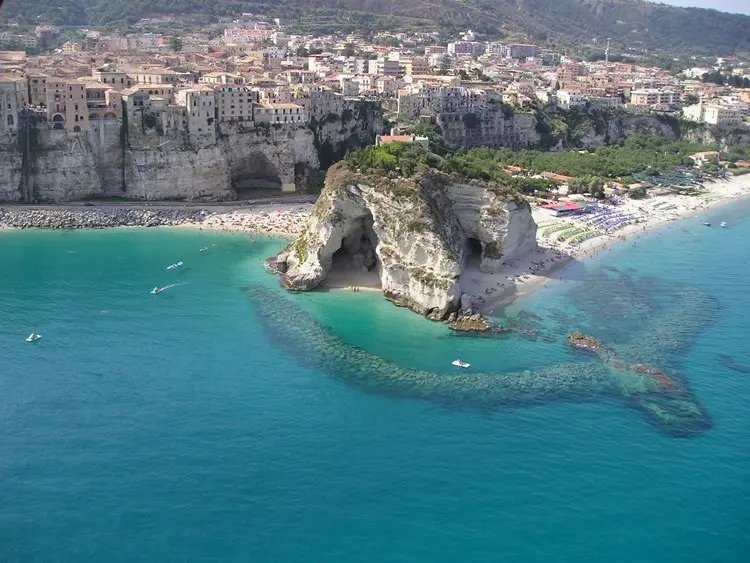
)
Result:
{"points": [[419, 234]]}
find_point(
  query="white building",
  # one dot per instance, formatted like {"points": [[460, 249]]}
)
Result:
{"points": [[384, 67], [653, 96], [567, 99], [280, 114]]}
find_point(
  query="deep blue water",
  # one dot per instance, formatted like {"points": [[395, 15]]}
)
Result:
{"points": [[176, 427]]}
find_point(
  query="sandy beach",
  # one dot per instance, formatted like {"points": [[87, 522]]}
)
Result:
{"points": [[560, 240], [563, 240], [286, 220]]}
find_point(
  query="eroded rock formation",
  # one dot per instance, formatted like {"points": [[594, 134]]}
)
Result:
{"points": [[417, 234]]}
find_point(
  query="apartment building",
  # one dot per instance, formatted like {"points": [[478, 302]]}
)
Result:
{"points": [[66, 105], [155, 76], [37, 90], [416, 65], [433, 99], [384, 67], [567, 73], [235, 103], [567, 99], [200, 109], [280, 114], [467, 48], [724, 116], [521, 51], [114, 78], [222, 78], [10, 106], [654, 96]]}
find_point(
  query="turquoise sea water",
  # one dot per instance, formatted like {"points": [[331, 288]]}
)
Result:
{"points": [[223, 420]]}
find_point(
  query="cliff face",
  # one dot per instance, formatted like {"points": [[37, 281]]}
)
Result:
{"points": [[593, 133], [417, 234], [495, 127], [61, 166], [141, 161], [726, 139], [354, 125]]}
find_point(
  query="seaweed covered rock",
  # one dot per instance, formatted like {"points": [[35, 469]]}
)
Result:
{"points": [[583, 342], [417, 233]]}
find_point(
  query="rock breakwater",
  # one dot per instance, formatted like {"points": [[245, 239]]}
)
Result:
{"points": [[96, 217]]}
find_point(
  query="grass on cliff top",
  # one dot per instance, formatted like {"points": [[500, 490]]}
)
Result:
{"points": [[638, 154], [412, 161]]}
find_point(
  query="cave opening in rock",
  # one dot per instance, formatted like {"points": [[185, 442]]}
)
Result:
{"points": [[473, 253], [253, 175], [355, 263]]}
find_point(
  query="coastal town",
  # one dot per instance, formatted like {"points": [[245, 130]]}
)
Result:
{"points": [[250, 71], [135, 99]]}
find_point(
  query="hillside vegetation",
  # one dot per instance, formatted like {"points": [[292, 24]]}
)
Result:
{"points": [[651, 156], [634, 24]]}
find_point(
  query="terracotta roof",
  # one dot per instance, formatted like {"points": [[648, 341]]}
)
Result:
{"points": [[385, 139]]}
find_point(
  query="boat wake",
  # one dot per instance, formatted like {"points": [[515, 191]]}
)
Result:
{"points": [[166, 287]]}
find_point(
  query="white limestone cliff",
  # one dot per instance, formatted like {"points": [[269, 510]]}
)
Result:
{"points": [[64, 166], [418, 235]]}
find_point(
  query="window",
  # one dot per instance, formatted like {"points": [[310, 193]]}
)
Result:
{"points": [[10, 120]]}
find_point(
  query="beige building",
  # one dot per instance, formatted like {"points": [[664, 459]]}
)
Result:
{"points": [[280, 114], [652, 97], [115, 79], [200, 109], [155, 76], [66, 105], [235, 103], [222, 79], [10, 106], [37, 88], [165, 91], [724, 116]]}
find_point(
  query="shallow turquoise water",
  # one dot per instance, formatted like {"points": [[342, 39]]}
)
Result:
{"points": [[177, 427]]}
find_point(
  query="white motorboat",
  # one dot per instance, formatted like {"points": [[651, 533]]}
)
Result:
{"points": [[460, 364], [175, 265], [32, 337], [157, 290], [204, 249], [723, 225]]}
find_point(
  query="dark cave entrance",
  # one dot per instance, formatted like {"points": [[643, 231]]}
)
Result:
{"points": [[473, 253], [356, 263], [253, 175]]}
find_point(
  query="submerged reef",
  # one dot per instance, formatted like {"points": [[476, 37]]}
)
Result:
{"points": [[665, 401]]}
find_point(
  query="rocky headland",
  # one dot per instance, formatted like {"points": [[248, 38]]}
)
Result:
{"points": [[418, 234]]}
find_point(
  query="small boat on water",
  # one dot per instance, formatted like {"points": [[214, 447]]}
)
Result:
{"points": [[175, 265], [32, 337], [723, 225], [204, 249], [157, 290], [460, 364], [707, 224]]}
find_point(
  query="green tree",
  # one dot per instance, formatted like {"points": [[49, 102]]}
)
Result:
{"points": [[175, 44]]}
